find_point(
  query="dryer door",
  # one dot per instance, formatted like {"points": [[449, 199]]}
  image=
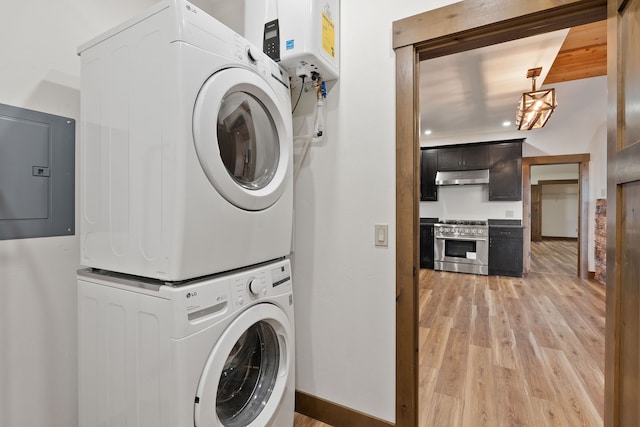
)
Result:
{"points": [[243, 138], [246, 374]]}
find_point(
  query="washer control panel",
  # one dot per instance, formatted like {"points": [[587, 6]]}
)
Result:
{"points": [[274, 279]]}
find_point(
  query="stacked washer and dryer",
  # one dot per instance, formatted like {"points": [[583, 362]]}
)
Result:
{"points": [[185, 309]]}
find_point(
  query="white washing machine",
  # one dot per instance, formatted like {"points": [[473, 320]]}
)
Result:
{"points": [[214, 352], [186, 148]]}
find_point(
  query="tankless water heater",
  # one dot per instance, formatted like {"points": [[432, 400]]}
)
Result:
{"points": [[303, 35]]}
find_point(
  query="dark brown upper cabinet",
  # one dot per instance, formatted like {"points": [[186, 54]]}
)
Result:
{"points": [[505, 172], [463, 158]]}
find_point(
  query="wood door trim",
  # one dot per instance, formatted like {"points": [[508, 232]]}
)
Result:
{"points": [[407, 236], [538, 218], [472, 24], [558, 160], [557, 181], [451, 29], [625, 163]]}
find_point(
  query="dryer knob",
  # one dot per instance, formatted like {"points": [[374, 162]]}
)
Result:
{"points": [[254, 287]]}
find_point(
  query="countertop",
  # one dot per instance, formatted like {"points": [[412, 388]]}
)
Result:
{"points": [[506, 223], [429, 220]]}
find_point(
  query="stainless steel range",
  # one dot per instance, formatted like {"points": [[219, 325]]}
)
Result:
{"points": [[461, 246]]}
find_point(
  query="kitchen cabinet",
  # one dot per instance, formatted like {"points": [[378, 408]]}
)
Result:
{"points": [[428, 169], [467, 157], [505, 171], [505, 251], [426, 242]]}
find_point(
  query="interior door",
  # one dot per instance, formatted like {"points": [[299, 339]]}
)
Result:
{"points": [[622, 406]]}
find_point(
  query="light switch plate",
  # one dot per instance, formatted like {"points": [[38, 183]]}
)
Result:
{"points": [[382, 235]]}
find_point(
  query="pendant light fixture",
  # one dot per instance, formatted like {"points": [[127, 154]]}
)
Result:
{"points": [[536, 106]]}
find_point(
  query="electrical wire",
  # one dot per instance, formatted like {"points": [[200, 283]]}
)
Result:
{"points": [[299, 95]]}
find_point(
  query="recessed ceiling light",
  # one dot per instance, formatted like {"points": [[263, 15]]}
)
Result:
{"points": [[427, 132], [506, 123]]}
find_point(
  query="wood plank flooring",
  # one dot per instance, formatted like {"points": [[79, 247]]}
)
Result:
{"points": [[501, 351], [554, 256], [304, 421], [509, 351]]}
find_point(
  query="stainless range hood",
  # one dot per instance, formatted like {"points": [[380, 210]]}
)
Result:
{"points": [[479, 176]]}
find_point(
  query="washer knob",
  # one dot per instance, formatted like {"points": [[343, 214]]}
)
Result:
{"points": [[254, 286], [252, 57]]}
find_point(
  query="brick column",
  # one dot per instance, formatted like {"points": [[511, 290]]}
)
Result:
{"points": [[601, 241]]}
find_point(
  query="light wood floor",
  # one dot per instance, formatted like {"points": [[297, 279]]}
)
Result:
{"points": [[303, 421], [554, 256], [509, 351], [500, 351]]}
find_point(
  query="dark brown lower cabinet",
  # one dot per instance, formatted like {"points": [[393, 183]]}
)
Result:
{"points": [[505, 251], [426, 244]]}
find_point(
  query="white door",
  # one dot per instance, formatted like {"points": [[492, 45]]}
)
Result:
{"points": [[241, 137], [246, 374]]}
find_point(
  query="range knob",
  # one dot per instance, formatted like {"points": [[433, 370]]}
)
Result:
{"points": [[255, 287]]}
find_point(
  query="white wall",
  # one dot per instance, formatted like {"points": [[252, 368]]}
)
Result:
{"points": [[469, 202], [40, 70], [554, 172], [560, 210], [344, 285], [560, 204]]}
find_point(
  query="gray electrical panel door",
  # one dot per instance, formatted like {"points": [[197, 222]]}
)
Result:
{"points": [[37, 174]]}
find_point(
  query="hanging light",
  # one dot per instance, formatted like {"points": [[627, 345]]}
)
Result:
{"points": [[536, 106]]}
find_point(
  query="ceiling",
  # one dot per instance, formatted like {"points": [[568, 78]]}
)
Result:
{"points": [[478, 90]]}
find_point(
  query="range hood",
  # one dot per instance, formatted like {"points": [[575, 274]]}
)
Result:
{"points": [[479, 176]]}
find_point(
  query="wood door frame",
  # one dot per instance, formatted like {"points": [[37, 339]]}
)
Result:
{"points": [[455, 28], [582, 160], [536, 220]]}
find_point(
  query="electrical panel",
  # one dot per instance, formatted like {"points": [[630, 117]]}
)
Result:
{"points": [[37, 174]]}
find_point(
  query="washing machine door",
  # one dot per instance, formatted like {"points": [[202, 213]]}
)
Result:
{"points": [[243, 137], [246, 374]]}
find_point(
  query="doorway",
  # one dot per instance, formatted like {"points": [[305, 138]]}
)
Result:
{"points": [[529, 206], [554, 219], [455, 28]]}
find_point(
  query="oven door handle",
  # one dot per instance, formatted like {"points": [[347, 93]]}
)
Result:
{"points": [[475, 239]]}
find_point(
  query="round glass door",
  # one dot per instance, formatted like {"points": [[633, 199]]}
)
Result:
{"points": [[243, 138], [248, 376], [248, 371], [248, 140]]}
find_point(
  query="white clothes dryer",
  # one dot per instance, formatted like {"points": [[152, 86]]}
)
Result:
{"points": [[186, 148], [214, 352]]}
